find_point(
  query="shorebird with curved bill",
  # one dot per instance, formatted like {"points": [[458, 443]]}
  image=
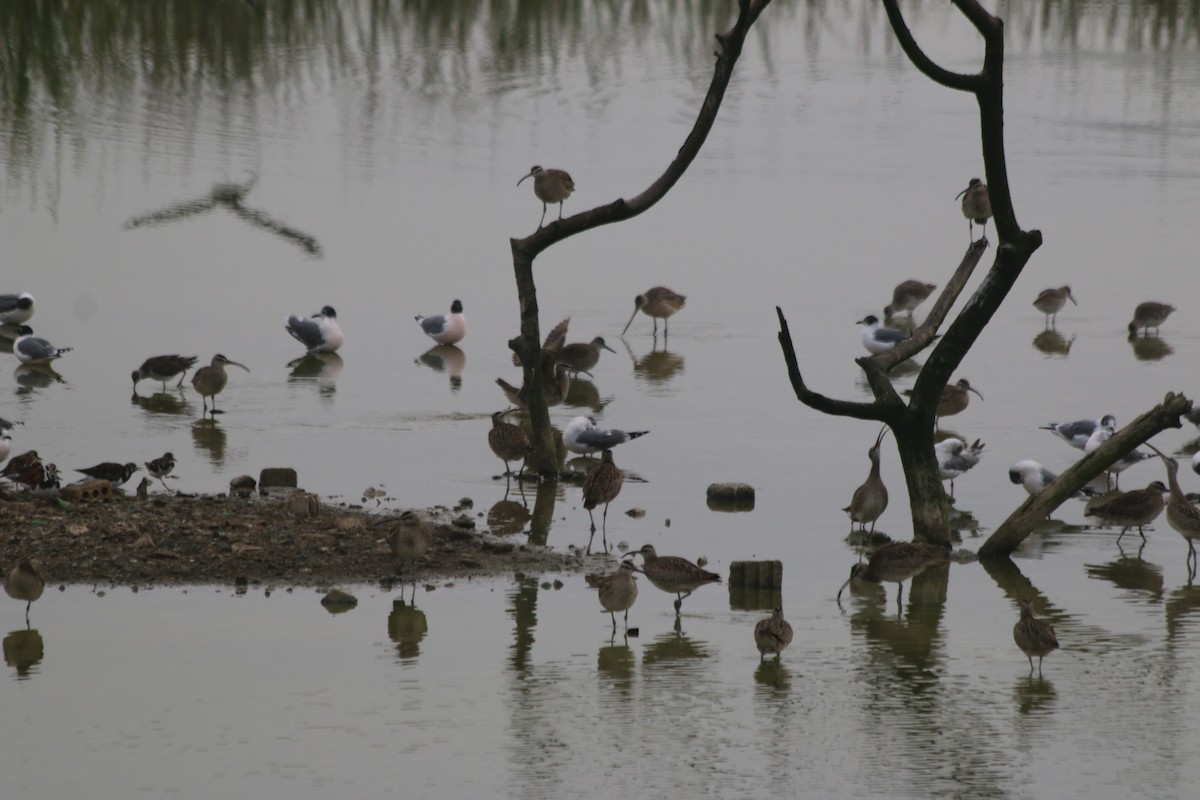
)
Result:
{"points": [[1130, 509], [657, 303], [976, 206], [1078, 432], [871, 499], [618, 592], [445, 328], [954, 398], [16, 309], [35, 350], [907, 296], [954, 458], [1182, 515], [1149, 315], [1051, 301], [1034, 636], [110, 471], [210, 381], [1102, 435], [408, 540], [876, 338], [673, 574], [24, 582], [550, 186], [583, 356], [319, 333], [895, 563], [556, 388], [161, 468], [508, 441], [582, 436], [602, 485], [772, 635], [163, 369]]}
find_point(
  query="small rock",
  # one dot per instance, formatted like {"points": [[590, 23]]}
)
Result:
{"points": [[349, 523], [242, 486], [271, 477], [464, 522], [302, 504], [637, 512], [239, 547], [145, 540], [464, 503], [338, 598]]}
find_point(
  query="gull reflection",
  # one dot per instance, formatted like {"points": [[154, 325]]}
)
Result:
{"points": [[1052, 343], [209, 437], [31, 377], [407, 626], [1150, 348], [446, 358], [229, 196], [24, 650], [321, 369]]}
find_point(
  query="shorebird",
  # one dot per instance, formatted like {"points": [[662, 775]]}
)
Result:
{"points": [[5, 444], [618, 592], [602, 485], [16, 309], [583, 437], [954, 458], [871, 499], [163, 369], [657, 303], [1182, 515], [673, 574], [161, 467], [110, 471], [1051, 301], [895, 563], [1078, 432], [907, 296], [1149, 315], [30, 349], [1102, 435], [876, 338], [445, 328], [508, 441], [210, 380], [1034, 636], [550, 186], [24, 582], [18, 464], [954, 398], [583, 356], [408, 540], [319, 333], [976, 206], [1131, 509], [556, 388], [772, 635]]}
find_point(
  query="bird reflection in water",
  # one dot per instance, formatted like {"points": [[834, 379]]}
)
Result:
{"points": [[658, 367], [1150, 348], [615, 662], [673, 647], [508, 517], [1130, 573], [1034, 696], [24, 650], [1052, 343], [772, 674], [407, 626], [31, 377], [209, 438], [1182, 603], [584, 394], [446, 358], [321, 369], [167, 403]]}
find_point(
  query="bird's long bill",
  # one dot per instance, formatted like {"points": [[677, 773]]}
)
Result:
{"points": [[1160, 454], [609, 349], [844, 585], [236, 364], [976, 392], [630, 554], [627, 324], [883, 432], [960, 194], [1071, 297], [527, 176]]}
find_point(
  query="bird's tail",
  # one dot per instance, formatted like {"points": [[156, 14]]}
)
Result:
{"points": [[636, 434]]}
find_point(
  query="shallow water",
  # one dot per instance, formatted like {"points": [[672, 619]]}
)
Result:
{"points": [[395, 135]]}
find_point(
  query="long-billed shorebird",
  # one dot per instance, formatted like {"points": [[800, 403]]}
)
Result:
{"points": [[1078, 432], [976, 206], [772, 635], [870, 499], [673, 574], [408, 540], [319, 333], [1149, 315], [16, 309], [161, 468], [163, 369], [602, 485], [954, 399], [907, 296], [876, 338], [24, 582], [445, 328], [550, 186], [35, 350], [508, 441], [1130, 509], [1034, 636], [895, 563], [618, 592], [954, 458], [1051, 301], [111, 471], [582, 436], [657, 303], [1182, 515], [210, 381], [583, 356]]}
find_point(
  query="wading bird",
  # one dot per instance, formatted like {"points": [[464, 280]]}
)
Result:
{"points": [[210, 381], [550, 186]]}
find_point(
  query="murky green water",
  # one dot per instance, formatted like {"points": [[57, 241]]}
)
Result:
{"points": [[393, 135]]}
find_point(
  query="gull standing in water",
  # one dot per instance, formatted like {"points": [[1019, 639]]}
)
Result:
{"points": [[16, 309], [583, 437], [319, 333], [1102, 435], [1078, 432], [445, 328], [35, 350], [954, 458]]}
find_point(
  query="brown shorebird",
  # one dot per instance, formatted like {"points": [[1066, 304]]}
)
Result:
{"points": [[583, 356], [955, 398], [24, 582], [408, 540], [110, 471], [907, 296], [163, 369], [556, 388], [161, 467], [1181, 514], [657, 303], [871, 499], [618, 592], [1051, 301], [508, 441], [602, 485], [1034, 636], [896, 563], [550, 186], [210, 380], [673, 574], [18, 464], [976, 206], [1149, 315], [1130, 509], [772, 635]]}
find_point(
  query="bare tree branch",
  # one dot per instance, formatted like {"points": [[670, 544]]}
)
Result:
{"points": [[936, 73]]}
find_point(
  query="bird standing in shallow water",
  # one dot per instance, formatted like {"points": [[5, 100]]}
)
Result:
{"points": [[772, 635], [1102, 435], [445, 328], [896, 563], [657, 303], [583, 356], [163, 369], [618, 592], [583, 437], [408, 540], [1129, 509], [24, 582], [35, 350], [1078, 432], [210, 381], [976, 206], [907, 296], [1034, 636], [1051, 301], [550, 186], [954, 398], [1149, 315], [602, 485], [1182, 515], [673, 574], [871, 499], [508, 441], [320, 333]]}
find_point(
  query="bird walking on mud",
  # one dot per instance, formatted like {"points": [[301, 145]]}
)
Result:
{"points": [[976, 206], [871, 499], [210, 381], [618, 592], [1034, 636], [111, 471], [772, 635], [602, 485], [657, 303], [161, 468], [895, 563], [673, 574], [550, 186]]}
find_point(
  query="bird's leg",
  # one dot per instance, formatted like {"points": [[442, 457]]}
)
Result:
{"points": [[678, 603], [592, 520], [614, 621], [627, 619], [560, 205], [1122, 533], [593, 536], [542, 221]]}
